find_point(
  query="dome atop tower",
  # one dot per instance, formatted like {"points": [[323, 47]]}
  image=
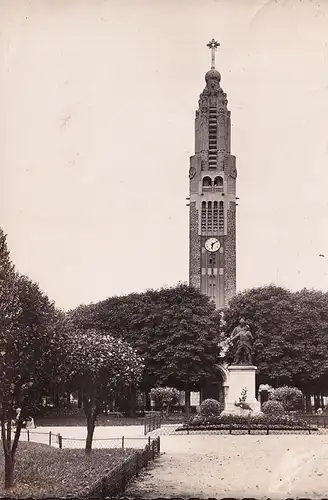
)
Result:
{"points": [[212, 74]]}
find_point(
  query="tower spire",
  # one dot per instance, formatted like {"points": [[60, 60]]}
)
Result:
{"points": [[213, 45]]}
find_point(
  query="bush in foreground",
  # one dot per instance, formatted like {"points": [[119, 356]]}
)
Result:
{"points": [[210, 408], [273, 407], [291, 398]]}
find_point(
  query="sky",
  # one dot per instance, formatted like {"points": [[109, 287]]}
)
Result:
{"points": [[97, 107]]}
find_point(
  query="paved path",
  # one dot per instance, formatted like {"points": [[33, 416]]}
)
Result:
{"points": [[104, 436], [277, 466]]}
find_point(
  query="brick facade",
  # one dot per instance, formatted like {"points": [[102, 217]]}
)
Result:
{"points": [[213, 197], [194, 248], [230, 255]]}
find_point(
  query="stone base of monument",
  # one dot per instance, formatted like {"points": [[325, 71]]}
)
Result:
{"points": [[241, 377]]}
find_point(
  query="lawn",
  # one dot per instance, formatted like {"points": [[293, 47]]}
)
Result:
{"points": [[42, 471]]}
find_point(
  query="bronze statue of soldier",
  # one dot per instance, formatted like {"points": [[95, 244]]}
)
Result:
{"points": [[243, 339]]}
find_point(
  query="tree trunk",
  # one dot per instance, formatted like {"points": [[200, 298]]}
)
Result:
{"points": [[308, 402], [79, 399], [316, 402], [56, 400], [322, 403], [187, 403], [132, 402], [90, 431], [148, 405], [9, 456], [9, 471]]}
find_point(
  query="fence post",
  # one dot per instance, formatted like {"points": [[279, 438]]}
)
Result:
{"points": [[137, 464], [60, 441], [123, 482], [249, 424], [230, 424], [103, 487], [145, 426], [158, 445], [28, 435], [153, 449], [310, 427], [268, 428], [122, 442], [49, 438]]}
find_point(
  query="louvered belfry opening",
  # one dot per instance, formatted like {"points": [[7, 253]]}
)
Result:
{"points": [[215, 217], [221, 218], [203, 220], [212, 138], [209, 217]]}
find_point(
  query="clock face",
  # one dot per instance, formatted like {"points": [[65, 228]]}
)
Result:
{"points": [[192, 172], [212, 245]]}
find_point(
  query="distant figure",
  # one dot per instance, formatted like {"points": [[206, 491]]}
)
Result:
{"points": [[30, 423], [243, 338]]}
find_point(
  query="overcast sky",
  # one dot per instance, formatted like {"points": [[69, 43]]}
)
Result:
{"points": [[97, 107]]}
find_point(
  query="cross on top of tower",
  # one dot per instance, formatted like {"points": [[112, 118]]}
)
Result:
{"points": [[213, 45]]}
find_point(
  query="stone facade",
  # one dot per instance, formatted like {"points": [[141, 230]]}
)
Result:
{"points": [[212, 191]]}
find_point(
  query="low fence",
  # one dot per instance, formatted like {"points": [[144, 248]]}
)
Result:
{"points": [[58, 441], [249, 429], [116, 481], [316, 419], [122, 442], [152, 421], [50, 438]]}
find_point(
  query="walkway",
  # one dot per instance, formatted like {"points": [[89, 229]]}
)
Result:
{"points": [[104, 436], [237, 466]]}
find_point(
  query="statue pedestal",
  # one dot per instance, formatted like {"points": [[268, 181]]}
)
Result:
{"points": [[241, 377]]}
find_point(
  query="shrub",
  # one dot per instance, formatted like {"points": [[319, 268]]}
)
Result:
{"points": [[272, 407], [197, 420], [210, 408], [291, 398]]}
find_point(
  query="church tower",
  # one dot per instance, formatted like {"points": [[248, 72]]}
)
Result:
{"points": [[212, 174]]}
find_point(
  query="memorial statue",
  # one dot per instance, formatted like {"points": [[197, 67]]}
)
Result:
{"points": [[243, 338]]}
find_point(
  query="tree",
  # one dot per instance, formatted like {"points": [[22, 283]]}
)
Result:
{"points": [[9, 312], [290, 331], [99, 365], [165, 397], [30, 352], [174, 329]]}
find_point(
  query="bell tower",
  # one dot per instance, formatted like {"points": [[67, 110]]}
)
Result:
{"points": [[212, 188]]}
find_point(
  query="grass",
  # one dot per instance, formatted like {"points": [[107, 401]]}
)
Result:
{"points": [[42, 471]]}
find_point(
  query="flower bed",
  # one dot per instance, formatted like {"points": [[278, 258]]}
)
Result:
{"points": [[247, 422]]}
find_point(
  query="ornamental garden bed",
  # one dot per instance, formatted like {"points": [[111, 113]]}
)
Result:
{"points": [[264, 423], [252, 429]]}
